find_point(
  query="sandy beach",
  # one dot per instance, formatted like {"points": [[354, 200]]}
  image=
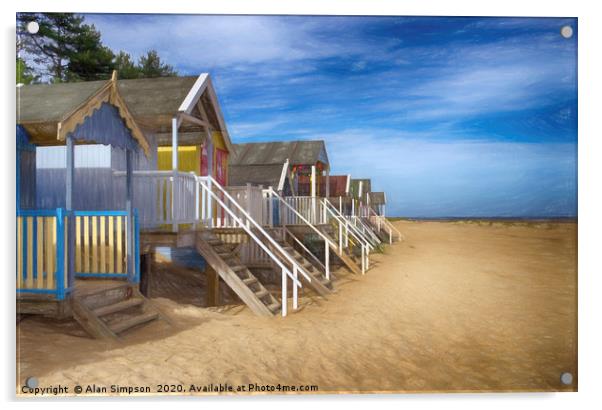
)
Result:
{"points": [[457, 306]]}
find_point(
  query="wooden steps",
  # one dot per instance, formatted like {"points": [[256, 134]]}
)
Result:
{"points": [[109, 311], [318, 283], [236, 275], [120, 326]]}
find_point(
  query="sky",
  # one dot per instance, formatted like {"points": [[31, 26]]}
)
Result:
{"points": [[451, 117]]}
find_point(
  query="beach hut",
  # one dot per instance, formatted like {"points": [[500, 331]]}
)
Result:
{"points": [[304, 214], [307, 160], [368, 211], [276, 175], [77, 261], [377, 201]]}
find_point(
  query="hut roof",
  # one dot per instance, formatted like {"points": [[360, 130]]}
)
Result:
{"points": [[144, 97], [52, 102], [271, 153], [155, 96], [50, 112], [377, 198], [355, 184], [266, 175], [153, 102]]}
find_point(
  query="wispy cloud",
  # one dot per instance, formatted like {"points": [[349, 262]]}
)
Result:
{"points": [[449, 115]]}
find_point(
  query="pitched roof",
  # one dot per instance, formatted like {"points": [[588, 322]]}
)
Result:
{"points": [[155, 96], [271, 153], [153, 102], [266, 175], [50, 112], [52, 102], [377, 198], [144, 97], [355, 184]]}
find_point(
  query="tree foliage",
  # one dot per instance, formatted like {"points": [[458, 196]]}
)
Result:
{"points": [[67, 49], [25, 74], [150, 65]]}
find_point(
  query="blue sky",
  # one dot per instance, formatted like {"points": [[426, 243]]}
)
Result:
{"points": [[449, 116]]}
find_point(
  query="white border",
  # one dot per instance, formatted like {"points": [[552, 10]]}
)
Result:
{"points": [[590, 245]]}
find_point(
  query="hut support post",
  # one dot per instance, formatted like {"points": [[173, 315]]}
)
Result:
{"points": [[174, 167], [327, 259], [212, 287], [129, 170], [210, 173], [249, 204], [327, 182], [313, 193], [146, 263], [270, 208], [69, 182]]}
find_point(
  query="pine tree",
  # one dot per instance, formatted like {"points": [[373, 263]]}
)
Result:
{"points": [[90, 60], [150, 66], [54, 44], [67, 49], [125, 66], [25, 74]]}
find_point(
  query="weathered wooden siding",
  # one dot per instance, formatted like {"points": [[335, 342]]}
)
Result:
{"points": [[96, 187], [26, 171]]}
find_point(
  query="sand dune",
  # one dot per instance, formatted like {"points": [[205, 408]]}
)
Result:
{"points": [[456, 307]]}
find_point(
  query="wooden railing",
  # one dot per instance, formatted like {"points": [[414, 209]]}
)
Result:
{"points": [[212, 190], [41, 252], [300, 207], [163, 202], [250, 198], [287, 212], [99, 249], [101, 244], [380, 222]]}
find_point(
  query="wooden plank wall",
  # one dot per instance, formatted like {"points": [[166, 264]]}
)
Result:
{"points": [[37, 253], [100, 244]]}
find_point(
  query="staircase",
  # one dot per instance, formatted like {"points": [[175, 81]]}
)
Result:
{"points": [[347, 256], [108, 311], [237, 276], [319, 283], [385, 233]]}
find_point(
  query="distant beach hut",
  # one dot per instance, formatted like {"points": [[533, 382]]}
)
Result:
{"points": [[308, 162], [378, 202]]}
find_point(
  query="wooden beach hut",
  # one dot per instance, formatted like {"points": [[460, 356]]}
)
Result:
{"points": [[161, 169], [377, 201], [276, 175], [73, 261], [307, 161], [304, 213]]}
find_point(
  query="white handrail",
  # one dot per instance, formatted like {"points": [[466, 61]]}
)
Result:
{"points": [[249, 232], [386, 222], [314, 257], [364, 245], [354, 231], [253, 222], [316, 230], [366, 230]]}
